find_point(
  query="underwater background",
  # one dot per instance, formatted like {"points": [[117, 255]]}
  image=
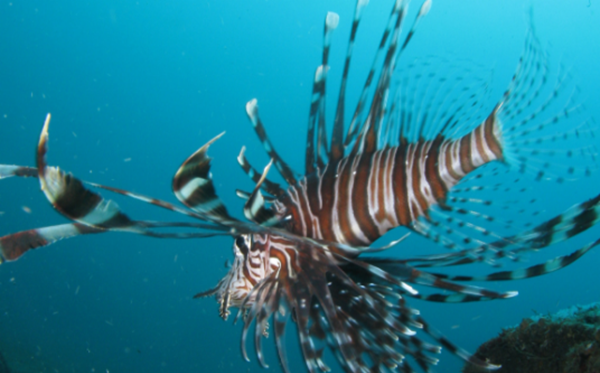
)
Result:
{"points": [[135, 87]]}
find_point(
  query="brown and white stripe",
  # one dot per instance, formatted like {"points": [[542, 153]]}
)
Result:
{"points": [[13, 246], [411, 178]]}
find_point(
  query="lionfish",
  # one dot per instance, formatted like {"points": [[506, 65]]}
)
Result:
{"points": [[411, 156]]}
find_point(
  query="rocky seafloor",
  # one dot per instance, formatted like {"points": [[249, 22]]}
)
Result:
{"points": [[565, 342]]}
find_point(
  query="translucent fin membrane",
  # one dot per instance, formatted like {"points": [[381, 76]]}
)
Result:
{"points": [[545, 130], [434, 94]]}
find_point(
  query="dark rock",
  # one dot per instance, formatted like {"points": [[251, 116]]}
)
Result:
{"points": [[565, 342]]}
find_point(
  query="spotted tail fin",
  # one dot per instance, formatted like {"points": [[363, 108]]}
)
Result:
{"points": [[543, 128]]}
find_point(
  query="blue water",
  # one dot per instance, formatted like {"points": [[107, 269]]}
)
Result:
{"points": [[136, 87]]}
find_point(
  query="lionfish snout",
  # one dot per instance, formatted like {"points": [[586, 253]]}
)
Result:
{"points": [[250, 266]]}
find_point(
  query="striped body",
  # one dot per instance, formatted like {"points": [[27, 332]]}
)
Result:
{"points": [[359, 198]]}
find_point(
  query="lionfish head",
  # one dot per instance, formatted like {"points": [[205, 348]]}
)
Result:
{"points": [[250, 266]]}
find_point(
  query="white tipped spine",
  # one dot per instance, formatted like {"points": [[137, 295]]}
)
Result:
{"points": [[240, 157], [321, 73], [360, 4], [398, 5], [332, 21], [425, 8], [251, 108]]}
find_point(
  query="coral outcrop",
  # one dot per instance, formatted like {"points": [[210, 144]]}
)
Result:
{"points": [[565, 342]]}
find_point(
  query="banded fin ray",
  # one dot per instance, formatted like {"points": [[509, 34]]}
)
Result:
{"points": [[368, 139], [561, 227], [283, 168], [14, 245], [396, 272], [382, 285], [7, 171], [267, 185], [193, 186], [280, 319], [90, 212], [355, 124], [369, 129], [463, 354], [69, 197], [460, 229], [321, 148], [23, 171], [547, 267], [570, 223], [259, 311], [331, 300], [246, 195], [311, 146], [161, 204], [336, 151], [254, 208], [541, 269]]}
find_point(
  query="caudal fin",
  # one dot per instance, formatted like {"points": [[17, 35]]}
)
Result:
{"points": [[543, 127]]}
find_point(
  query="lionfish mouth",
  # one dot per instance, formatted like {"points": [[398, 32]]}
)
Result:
{"points": [[252, 264], [223, 295], [231, 291]]}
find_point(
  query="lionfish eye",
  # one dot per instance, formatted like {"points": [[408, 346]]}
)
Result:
{"points": [[240, 243]]}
